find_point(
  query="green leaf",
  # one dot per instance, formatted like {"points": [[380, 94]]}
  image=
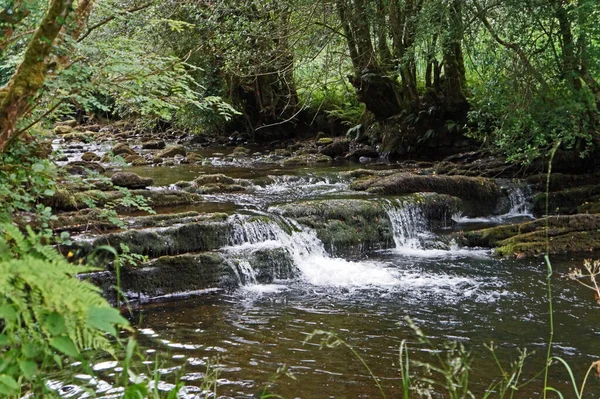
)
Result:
{"points": [[48, 193], [31, 350], [38, 167], [137, 391], [4, 340], [105, 319], [64, 345], [55, 324], [8, 314], [28, 367], [8, 382]]}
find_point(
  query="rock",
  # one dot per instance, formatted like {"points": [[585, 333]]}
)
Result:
{"points": [[83, 168], [90, 157], [336, 148], [123, 149], [153, 145], [574, 233], [218, 188], [307, 159], [240, 151], [92, 128], [130, 180], [282, 152], [193, 157], [482, 194], [213, 179], [131, 158], [354, 227], [325, 141], [362, 152], [171, 151], [78, 136], [63, 129], [567, 201], [139, 161], [69, 123]]}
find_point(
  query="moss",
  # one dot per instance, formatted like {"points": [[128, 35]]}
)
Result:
{"points": [[213, 179], [174, 274], [482, 193], [534, 244], [216, 188], [565, 201], [573, 233]]}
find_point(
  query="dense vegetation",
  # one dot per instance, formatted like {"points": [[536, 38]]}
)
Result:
{"points": [[517, 77]]}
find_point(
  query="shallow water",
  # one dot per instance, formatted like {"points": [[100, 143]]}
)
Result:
{"points": [[452, 294], [473, 299]]}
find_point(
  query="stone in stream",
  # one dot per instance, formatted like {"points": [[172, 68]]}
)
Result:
{"points": [[353, 227], [171, 151], [481, 194], [123, 149], [335, 148], [153, 145], [90, 157], [82, 168], [130, 180], [566, 233]]}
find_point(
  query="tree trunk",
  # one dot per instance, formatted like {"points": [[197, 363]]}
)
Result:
{"points": [[30, 76], [454, 67]]}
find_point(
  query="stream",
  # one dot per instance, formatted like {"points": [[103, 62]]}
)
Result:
{"points": [[247, 334]]}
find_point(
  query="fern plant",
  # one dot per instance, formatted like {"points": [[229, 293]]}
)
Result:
{"points": [[47, 315]]}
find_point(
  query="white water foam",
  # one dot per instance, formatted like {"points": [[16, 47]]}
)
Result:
{"points": [[308, 253]]}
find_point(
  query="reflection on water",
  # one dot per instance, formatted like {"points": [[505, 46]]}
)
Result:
{"points": [[255, 330]]}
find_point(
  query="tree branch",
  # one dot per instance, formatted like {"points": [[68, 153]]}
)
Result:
{"points": [[107, 20]]}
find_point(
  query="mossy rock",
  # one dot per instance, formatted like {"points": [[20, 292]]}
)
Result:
{"points": [[175, 274], [568, 233], [217, 188], [306, 159], [175, 240], [213, 179], [565, 201], [534, 244], [325, 141], [482, 193]]}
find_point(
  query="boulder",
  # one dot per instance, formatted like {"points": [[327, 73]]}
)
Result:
{"points": [[336, 148], [153, 145], [325, 141], [78, 136], [83, 168], [130, 180], [122, 149], [481, 193], [63, 129], [364, 152], [171, 151], [90, 157], [574, 233], [213, 179]]}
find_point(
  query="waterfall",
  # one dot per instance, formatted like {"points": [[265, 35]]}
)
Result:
{"points": [[303, 249], [409, 225], [518, 198]]}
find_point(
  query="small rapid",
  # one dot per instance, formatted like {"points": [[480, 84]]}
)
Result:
{"points": [[310, 262]]}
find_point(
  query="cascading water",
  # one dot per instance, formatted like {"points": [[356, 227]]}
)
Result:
{"points": [[520, 205], [306, 250], [409, 225]]}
